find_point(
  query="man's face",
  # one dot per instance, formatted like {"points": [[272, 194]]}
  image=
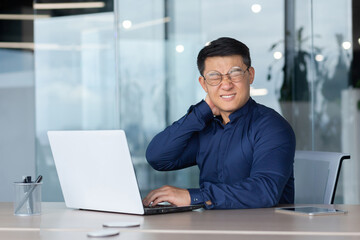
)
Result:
{"points": [[228, 96]]}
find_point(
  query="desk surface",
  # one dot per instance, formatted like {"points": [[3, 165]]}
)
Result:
{"points": [[57, 222]]}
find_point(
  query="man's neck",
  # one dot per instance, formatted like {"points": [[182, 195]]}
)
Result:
{"points": [[225, 117]]}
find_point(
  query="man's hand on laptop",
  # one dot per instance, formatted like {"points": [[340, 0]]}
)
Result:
{"points": [[176, 196]]}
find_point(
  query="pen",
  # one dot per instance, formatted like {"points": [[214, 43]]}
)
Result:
{"points": [[26, 197], [27, 179]]}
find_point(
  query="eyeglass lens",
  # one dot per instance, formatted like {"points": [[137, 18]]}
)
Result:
{"points": [[235, 74]]}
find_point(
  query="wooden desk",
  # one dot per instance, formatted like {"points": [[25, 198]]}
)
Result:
{"points": [[58, 222], [127, 235]]}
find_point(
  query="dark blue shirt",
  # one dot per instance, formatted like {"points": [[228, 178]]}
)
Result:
{"points": [[247, 163]]}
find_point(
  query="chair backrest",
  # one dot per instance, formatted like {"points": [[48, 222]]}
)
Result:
{"points": [[316, 175]]}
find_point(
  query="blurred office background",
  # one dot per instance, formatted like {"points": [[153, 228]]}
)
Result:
{"points": [[122, 64]]}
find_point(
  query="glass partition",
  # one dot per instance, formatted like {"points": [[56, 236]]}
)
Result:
{"points": [[132, 65], [332, 91], [158, 45], [76, 84]]}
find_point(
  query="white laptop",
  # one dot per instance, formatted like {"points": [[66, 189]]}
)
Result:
{"points": [[96, 172]]}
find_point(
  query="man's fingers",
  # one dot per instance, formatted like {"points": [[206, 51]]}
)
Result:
{"points": [[212, 106], [161, 199], [173, 195], [154, 195]]}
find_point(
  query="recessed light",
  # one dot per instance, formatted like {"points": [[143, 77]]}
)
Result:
{"points": [[277, 55], [256, 8], [346, 45], [127, 24], [48, 6], [180, 48], [319, 57]]}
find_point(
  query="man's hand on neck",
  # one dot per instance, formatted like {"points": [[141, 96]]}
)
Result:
{"points": [[214, 109]]}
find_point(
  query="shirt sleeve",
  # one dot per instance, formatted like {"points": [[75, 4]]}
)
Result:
{"points": [[272, 167], [176, 147]]}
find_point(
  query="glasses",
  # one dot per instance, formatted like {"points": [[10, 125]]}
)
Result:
{"points": [[235, 74]]}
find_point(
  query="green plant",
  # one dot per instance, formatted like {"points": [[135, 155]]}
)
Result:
{"points": [[295, 86]]}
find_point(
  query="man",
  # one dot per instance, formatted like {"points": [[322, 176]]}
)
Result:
{"points": [[245, 151]]}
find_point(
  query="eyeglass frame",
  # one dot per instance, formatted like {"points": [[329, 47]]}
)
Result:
{"points": [[226, 74]]}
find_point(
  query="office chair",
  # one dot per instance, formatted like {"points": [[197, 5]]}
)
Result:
{"points": [[316, 176]]}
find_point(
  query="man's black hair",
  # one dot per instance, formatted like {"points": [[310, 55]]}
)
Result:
{"points": [[221, 47]]}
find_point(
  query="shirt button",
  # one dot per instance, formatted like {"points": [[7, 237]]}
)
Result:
{"points": [[195, 199]]}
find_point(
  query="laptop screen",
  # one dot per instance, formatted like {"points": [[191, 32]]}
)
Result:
{"points": [[95, 170]]}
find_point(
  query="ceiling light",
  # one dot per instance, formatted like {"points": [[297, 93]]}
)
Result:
{"points": [[127, 24], [48, 6], [258, 91], [180, 48], [277, 55], [346, 45], [256, 8], [17, 45], [148, 23], [319, 57], [22, 16]]}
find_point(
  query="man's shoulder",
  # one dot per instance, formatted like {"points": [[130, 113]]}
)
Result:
{"points": [[266, 117], [261, 111], [265, 121]]}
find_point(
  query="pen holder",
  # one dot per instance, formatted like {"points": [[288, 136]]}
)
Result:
{"points": [[27, 199]]}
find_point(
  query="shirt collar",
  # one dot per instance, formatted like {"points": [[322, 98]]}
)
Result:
{"points": [[238, 113], [241, 111]]}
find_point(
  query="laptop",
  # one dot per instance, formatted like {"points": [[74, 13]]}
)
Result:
{"points": [[96, 173]]}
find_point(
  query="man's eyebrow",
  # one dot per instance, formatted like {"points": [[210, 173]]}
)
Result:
{"points": [[213, 72]]}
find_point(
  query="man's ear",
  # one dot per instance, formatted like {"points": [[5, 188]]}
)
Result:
{"points": [[251, 75], [203, 83]]}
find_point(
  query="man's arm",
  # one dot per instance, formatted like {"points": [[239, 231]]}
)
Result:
{"points": [[176, 147]]}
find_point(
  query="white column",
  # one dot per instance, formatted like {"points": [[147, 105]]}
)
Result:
{"points": [[350, 110]]}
